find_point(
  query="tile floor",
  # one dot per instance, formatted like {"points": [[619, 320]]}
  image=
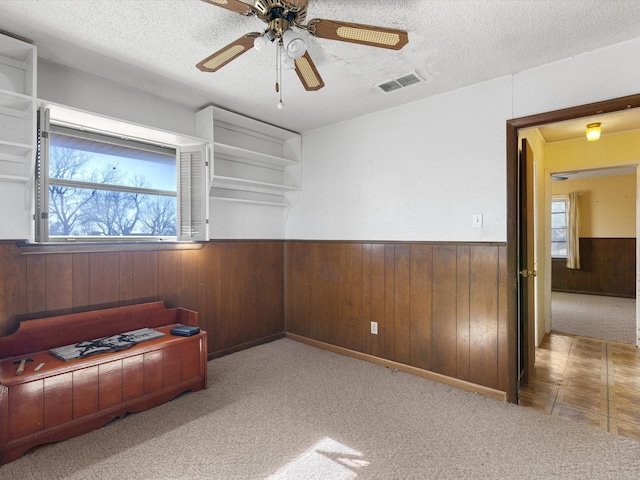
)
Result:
{"points": [[588, 381]]}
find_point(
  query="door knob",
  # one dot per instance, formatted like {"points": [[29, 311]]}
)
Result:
{"points": [[528, 273]]}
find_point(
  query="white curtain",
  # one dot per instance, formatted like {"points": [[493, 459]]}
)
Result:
{"points": [[573, 238]]}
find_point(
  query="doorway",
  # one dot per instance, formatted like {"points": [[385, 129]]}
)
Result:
{"points": [[598, 299], [514, 208]]}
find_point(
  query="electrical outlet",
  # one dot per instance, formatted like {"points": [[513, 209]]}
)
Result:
{"points": [[374, 328]]}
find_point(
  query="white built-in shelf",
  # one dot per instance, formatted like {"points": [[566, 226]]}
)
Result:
{"points": [[14, 152], [222, 116], [14, 178], [14, 104], [17, 110], [12, 62], [253, 162], [251, 157], [284, 203], [247, 185]]}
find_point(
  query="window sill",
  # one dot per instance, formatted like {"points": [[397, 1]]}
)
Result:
{"points": [[27, 248]]}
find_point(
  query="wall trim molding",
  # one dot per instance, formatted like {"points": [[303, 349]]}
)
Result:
{"points": [[400, 242], [454, 382], [245, 346], [27, 248]]}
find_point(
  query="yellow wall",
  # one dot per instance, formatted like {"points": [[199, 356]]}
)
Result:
{"points": [[607, 206], [579, 154], [571, 155], [608, 209]]}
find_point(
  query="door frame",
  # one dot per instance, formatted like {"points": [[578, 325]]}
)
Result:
{"points": [[513, 205]]}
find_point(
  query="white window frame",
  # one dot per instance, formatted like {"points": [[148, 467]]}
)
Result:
{"points": [[564, 199], [192, 172]]}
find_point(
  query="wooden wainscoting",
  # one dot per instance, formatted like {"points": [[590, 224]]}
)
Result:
{"points": [[608, 267], [439, 307], [236, 286]]}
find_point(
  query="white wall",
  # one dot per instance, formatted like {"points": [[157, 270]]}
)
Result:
{"points": [[420, 171], [238, 221], [416, 172], [61, 85], [15, 214], [86, 92], [76, 89], [591, 77]]}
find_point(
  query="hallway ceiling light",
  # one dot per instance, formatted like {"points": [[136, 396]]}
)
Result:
{"points": [[593, 132]]}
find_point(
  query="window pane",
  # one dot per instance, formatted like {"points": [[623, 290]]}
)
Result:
{"points": [[92, 212], [557, 206], [82, 157], [558, 235], [559, 249], [558, 220]]}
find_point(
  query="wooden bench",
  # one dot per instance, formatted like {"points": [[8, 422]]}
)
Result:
{"points": [[65, 399]]}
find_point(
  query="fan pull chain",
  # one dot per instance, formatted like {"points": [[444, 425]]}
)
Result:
{"points": [[279, 73]]}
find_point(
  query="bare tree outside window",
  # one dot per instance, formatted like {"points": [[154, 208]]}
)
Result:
{"points": [[66, 203], [98, 194]]}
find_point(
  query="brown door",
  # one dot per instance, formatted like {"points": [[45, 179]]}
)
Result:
{"points": [[526, 267]]}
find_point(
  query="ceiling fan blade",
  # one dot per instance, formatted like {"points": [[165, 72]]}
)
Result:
{"points": [[356, 33], [308, 73], [233, 5], [296, 3], [232, 51]]}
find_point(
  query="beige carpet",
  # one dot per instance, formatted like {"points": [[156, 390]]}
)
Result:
{"points": [[612, 319], [289, 411]]}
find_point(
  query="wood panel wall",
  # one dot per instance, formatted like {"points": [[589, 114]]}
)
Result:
{"points": [[237, 287], [439, 307], [608, 267]]}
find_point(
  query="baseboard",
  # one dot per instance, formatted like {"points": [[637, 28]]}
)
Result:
{"points": [[454, 382], [244, 346], [600, 294]]}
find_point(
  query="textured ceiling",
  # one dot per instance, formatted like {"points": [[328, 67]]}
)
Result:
{"points": [[156, 44], [610, 123]]}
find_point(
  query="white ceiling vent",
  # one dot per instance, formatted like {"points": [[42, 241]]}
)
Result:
{"points": [[400, 82]]}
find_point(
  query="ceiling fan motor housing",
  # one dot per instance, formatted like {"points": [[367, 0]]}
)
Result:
{"points": [[278, 26], [295, 12]]}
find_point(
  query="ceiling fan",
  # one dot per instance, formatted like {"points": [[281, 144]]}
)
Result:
{"points": [[280, 16]]}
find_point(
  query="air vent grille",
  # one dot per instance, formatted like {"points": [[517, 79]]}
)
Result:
{"points": [[389, 86], [400, 82]]}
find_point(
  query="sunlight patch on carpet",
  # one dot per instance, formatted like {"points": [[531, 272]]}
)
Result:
{"points": [[326, 459]]}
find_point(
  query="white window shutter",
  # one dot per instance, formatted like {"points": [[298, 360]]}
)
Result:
{"points": [[41, 180], [193, 193]]}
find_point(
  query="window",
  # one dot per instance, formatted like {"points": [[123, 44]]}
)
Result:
{"points": [[559, 227], [98, 185], [105, 187]]}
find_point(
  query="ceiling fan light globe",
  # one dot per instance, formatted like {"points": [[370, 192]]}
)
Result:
{"points": [[259, 43], [293, 45], [296, 48]]}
